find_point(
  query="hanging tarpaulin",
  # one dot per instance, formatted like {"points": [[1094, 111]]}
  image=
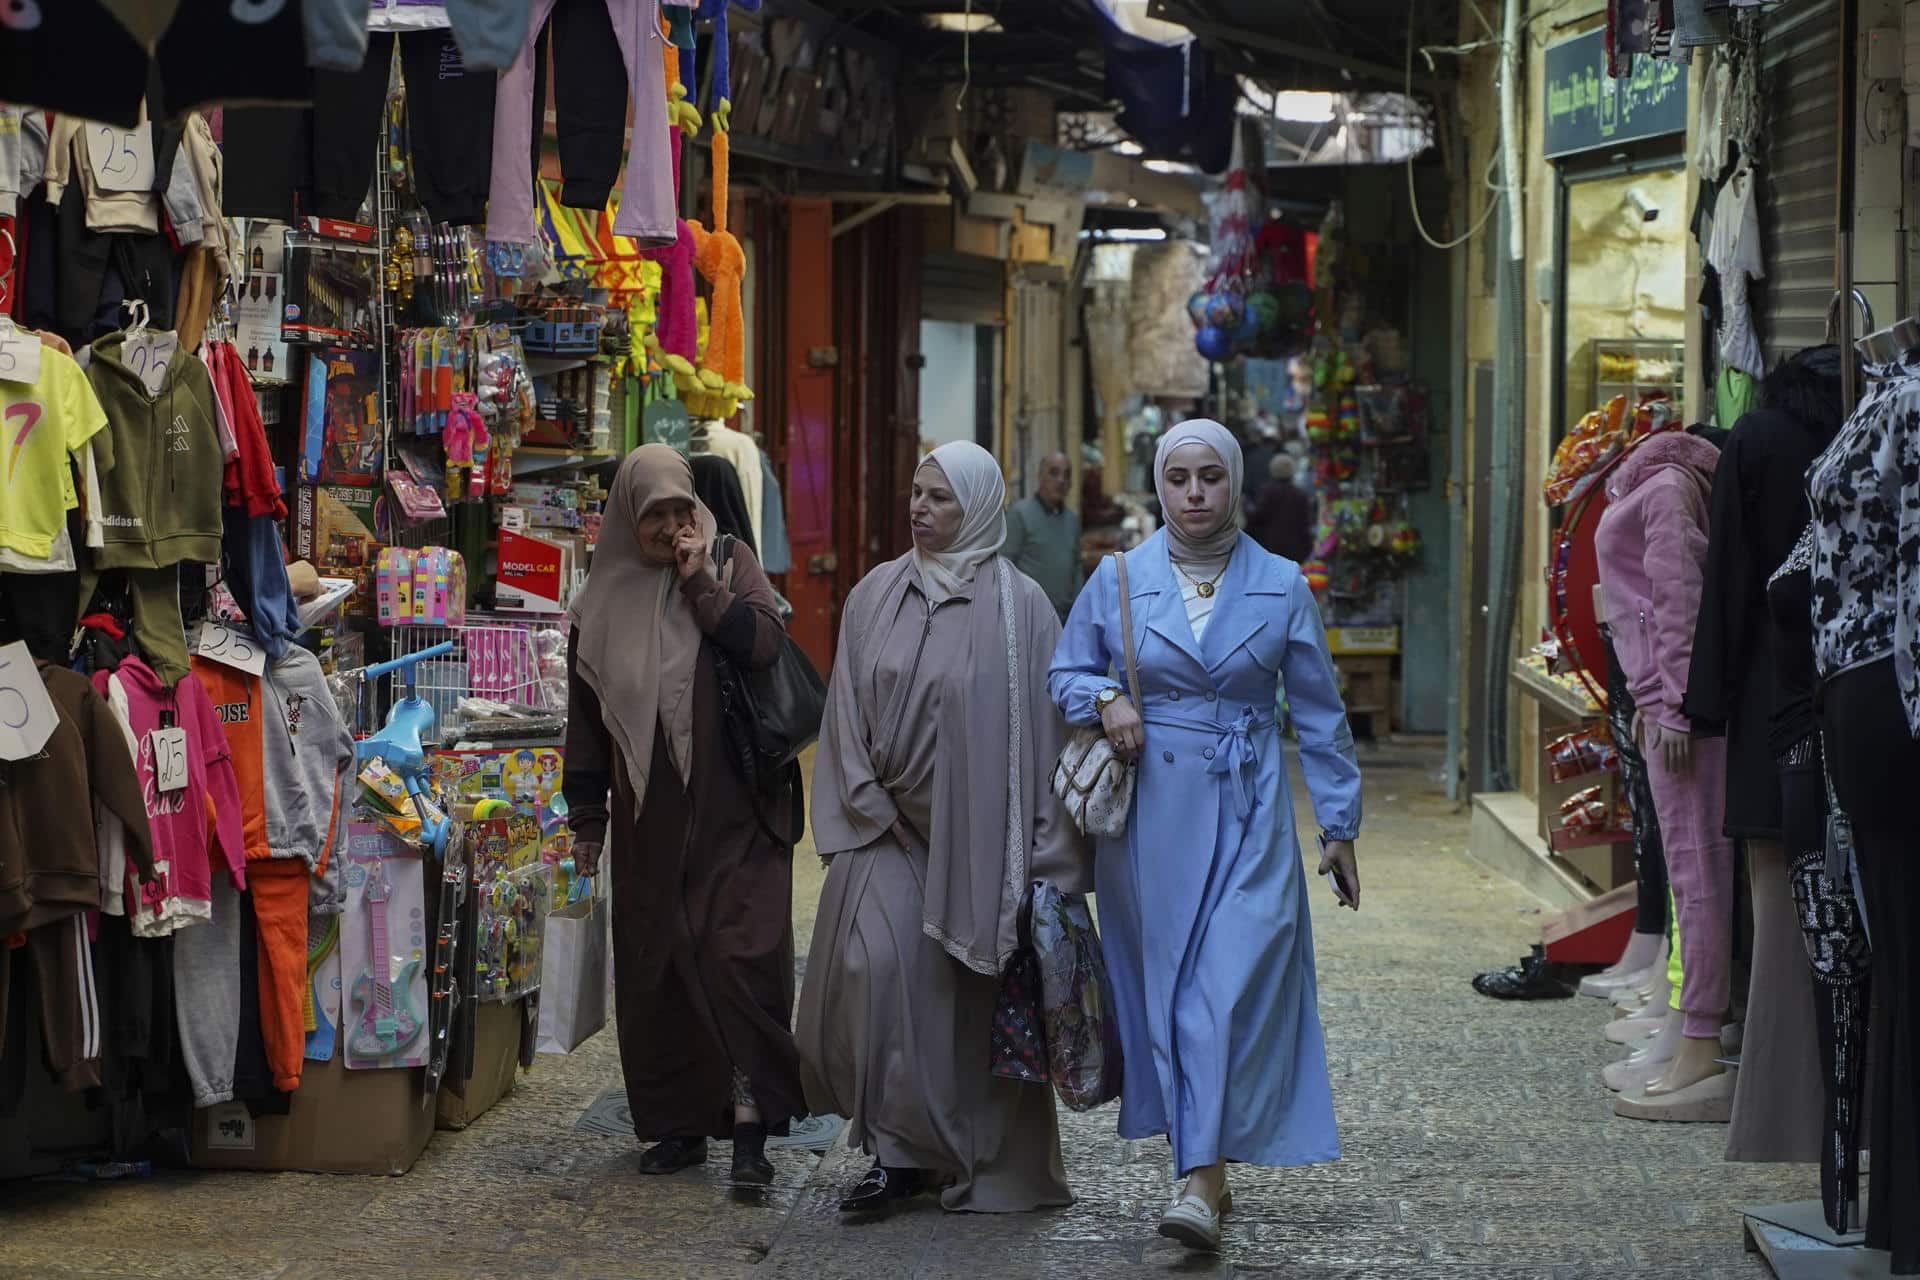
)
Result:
{"points": [[1176, 101]]}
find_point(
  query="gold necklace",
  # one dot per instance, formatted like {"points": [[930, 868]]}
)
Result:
{"points": [[1203, 589]]}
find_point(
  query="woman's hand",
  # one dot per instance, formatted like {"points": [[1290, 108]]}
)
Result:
{"points": [[689, 551], [1124, 729], [586, 858], [1337, 859], [904, 836]]}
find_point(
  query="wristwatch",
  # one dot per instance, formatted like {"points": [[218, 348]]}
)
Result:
{"points": [[1106, 698]]}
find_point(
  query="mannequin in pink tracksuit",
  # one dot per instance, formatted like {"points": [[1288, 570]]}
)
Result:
{"points": [[1652, 548]]}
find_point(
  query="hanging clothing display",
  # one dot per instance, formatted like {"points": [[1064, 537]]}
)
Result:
{"points": [[647, 204]]}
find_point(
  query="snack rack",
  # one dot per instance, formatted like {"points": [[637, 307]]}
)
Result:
{"points": [[1638, 368]]}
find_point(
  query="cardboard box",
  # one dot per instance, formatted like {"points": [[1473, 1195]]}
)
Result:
{"points": [[1369, 682], [535, 573], [496, 1065], [341, 1121]]}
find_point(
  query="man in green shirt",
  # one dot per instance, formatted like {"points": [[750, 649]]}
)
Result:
{"points": [[1043, 536]]}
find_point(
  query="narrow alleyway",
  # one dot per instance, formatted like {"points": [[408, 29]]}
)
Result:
{"points": [[1479, 1146]]}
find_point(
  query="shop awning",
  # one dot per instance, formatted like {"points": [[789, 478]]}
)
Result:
{"points": [[1329, 45]]}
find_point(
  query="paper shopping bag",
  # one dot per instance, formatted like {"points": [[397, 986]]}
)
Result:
{"points": [[573, 982]]}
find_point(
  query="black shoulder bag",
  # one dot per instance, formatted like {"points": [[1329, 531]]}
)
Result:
{"points": [[772, 716]]}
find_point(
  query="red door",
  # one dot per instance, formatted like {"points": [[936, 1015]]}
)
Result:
{"points": [[812, 585]]}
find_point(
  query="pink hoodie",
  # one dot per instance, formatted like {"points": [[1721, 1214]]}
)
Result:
{"points": [[1652, 547], [189, 823]]}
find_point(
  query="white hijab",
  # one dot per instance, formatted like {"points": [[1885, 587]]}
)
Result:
{"points": [[982, 493], [1219, 542]]}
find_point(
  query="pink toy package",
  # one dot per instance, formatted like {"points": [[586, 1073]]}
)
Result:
{"points": [[440, 587], [394, 574]]}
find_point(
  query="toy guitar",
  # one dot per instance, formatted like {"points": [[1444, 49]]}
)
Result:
{"points": [[321, 1034], [382, 1025]]}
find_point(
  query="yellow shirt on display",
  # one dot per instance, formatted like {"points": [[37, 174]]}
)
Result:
{"points": [[41, 425]]}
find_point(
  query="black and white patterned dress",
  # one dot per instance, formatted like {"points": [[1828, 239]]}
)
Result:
{"points": [[1865, 493]]}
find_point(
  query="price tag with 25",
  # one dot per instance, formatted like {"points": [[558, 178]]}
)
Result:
{"points": [[169, 758], [121, 159], [235, 648], [27, 717]]}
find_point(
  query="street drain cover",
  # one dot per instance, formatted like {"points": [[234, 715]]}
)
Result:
{"points": [[609, 1115]]}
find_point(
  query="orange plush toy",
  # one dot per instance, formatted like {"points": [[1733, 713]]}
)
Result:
{"points": [[718, 257]]}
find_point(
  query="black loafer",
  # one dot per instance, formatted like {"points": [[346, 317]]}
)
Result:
{"points": [[881, 1190], [750, 1164], [673, 1155]]}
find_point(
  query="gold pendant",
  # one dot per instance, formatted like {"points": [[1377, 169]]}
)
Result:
{"points": [[1206, 590]]}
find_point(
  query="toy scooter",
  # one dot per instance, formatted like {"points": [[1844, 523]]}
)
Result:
{"points": [[401, 743]]}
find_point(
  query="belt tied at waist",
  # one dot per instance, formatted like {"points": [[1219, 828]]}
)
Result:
{"points": [[1235, 757]]}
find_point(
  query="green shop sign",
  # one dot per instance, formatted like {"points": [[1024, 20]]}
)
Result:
{"points": [[1586, 108]]}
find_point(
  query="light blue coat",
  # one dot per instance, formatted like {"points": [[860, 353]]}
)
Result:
{"points": [[1203, 903]]}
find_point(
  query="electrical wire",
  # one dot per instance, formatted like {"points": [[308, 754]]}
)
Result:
{"points": [[1413, 193]]}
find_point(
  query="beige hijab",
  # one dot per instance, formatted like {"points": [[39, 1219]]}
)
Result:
{"points": [[1219, 542], [981, 491], [636, 645]]}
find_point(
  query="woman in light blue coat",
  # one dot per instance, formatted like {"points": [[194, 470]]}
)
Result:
{"points": [[1203, 902]]}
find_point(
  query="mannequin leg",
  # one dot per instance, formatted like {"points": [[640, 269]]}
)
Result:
{"points": [[1780, 1053], [1873, 759], [1700, 868], [1646, 944]]}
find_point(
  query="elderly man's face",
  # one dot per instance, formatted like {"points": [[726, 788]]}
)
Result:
{"points": [[1056, 473]]}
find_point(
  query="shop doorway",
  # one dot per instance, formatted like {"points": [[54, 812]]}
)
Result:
{"points": [[1622, 292]]}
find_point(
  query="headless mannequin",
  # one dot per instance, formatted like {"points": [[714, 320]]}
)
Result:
{"points": [[1651, 545]]}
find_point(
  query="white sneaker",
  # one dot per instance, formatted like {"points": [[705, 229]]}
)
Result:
{"points": [[1193, 1224]]}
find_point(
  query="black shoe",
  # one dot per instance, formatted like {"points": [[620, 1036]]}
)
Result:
{"points": [[1532, 979], [882, 1189], [750, 1164], [673, 1155]]}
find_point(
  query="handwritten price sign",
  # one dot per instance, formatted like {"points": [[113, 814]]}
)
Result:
{"points": [[19, 353], [235, 648], [121, 159], [27, 717]]}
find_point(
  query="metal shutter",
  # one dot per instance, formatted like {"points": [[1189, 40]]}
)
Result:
{"points": [[963, 287], [1800, 201]]}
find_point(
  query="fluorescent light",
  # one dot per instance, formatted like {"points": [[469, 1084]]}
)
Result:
{"points": [[1168, 166], [1138, 235], [961, 22], [1128, 148]]}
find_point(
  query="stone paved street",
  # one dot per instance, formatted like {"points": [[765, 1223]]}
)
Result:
{"points": [[1479, 1144]]}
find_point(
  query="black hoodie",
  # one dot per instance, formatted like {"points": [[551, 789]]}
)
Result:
{"points": [[1759, 507]]}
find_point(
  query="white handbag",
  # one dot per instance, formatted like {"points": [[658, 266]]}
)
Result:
{"points": [[1094, 784]]}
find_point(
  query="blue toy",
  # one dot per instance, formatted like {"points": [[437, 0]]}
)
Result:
{"points": [[402, 742]]}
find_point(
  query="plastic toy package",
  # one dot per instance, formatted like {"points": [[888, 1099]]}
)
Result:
{"points": [[383, 953]]}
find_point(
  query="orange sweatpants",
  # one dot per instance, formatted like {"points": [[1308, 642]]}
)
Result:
{"points": [[279, 887]]}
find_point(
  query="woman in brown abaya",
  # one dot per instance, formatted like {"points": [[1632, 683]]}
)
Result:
{"points": [[702, 875], [931, 802]]}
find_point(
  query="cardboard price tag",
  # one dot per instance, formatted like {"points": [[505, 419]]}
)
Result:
{"points": [[19, 355], [27, 717], [235, 648], [121, 159], [169, 758], [148, 355]]}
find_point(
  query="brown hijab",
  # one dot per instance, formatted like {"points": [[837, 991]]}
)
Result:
{"points": [[635, 645]]}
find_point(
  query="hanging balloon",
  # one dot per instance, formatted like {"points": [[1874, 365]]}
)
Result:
{"points": [[1197, 304], [1249, 331], [1214, 343], [1225, 309], [1265, 307]]}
